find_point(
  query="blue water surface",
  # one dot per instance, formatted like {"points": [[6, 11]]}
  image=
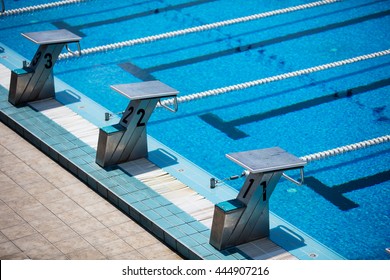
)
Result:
{"points": [[344, 202]]}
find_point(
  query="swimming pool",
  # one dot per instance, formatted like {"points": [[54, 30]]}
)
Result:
{"points": [[344, 202]]}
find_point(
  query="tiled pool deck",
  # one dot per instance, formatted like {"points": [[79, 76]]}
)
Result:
{"points": [[47, 213], [168, 222]]}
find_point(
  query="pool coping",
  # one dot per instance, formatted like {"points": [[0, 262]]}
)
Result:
{"points": [[175, 228]]}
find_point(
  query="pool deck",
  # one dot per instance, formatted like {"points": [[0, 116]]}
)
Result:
{"points": [[178, 216], [47, 213]]}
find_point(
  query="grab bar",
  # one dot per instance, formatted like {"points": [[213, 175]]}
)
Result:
{"points": [[300, 182], [175, 105], [78, 52]]}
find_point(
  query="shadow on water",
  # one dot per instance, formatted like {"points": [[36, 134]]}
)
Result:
{"points": [[356, 159], [255, 45], [275, 26], [77, 28], [268, 42], [230, 127], [270, 95], [335, 194], [86, 15]]}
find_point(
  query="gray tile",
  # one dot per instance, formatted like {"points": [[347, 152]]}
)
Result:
{"points": [[8, 249], [113, 248], [100, 208], [39, 187], [141, 239], [89, 253], [24, 203], [71, 245], [5, 181], [36, 213], [87, 199], [9, 218], [23, 175], [62, 205], [59, 234], [101, 236], [127, 229], [62, 179], [132, 255], [76, 189], [47, 224], [50, 196], [14, 193], [3, 238], [87, 226], [51, 200], [75, 215], [18, 231], [45, 252], [155, 251], [113, 218], [31, 241], [16, 256]]}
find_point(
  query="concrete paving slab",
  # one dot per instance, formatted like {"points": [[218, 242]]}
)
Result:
{"points": [[47, 213]]}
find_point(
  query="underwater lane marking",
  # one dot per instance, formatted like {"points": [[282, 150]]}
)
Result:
{"points": [[77, 28], [137, 72], [230, 127], [335, 194]]}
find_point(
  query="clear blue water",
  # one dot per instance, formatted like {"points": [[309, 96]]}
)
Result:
{"points": [[344, 203]]}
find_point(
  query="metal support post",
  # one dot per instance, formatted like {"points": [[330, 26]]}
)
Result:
{"points": [[127, 140], [246, 218], [35, 81]]}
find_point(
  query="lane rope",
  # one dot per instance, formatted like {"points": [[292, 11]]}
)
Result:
{"points": [[245, 85], [34, 8], [200, 28], [345, 149], [314, 157]]}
